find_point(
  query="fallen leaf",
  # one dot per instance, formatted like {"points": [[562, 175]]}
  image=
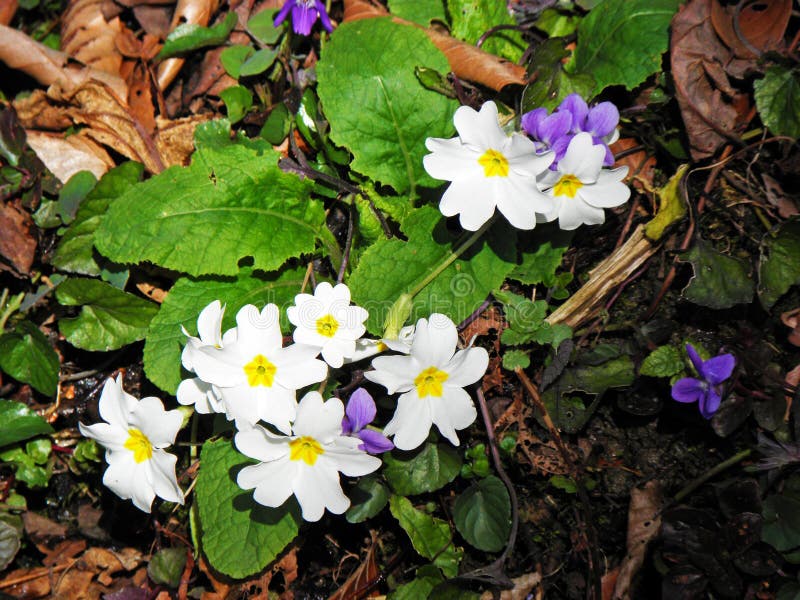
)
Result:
{"points": [[74, 583], [221, 589], [66, 156], [489, 323], [791, 319], [17, 239], [61, 552], [523, 585], [644, 522], [89, 38], [89, 523], [361, 577], [792, 381], [39, 528], [761, 25], [8, 8], [709, 104], [467, 61], [778, 198], [641, 165]]}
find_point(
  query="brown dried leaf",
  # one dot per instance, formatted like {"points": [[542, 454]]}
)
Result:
{"points": [[17, 239], [709, 104], [175, 138], [66, 156], [791, 319], [48, 66], [761, 25], [644, 521], [466, 61], [27, 584], [641, 166], [88, 37], [778, 198], [62, 552], [221, 589], [489, 323], [8, 8], [39, 528], [75, 583], [366, 573], [523, 585]]}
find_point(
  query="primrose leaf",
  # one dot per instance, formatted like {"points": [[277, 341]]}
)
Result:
{"points": [[73, 193], [719, 281], [542, 251], [367, 497], [20, 423], [431, 537], [427, 578], [9, 544], [75, 252], [109, 317], [472, 18], [621, 41], [482, 514], [426, 470], [182, 306], [516, 358], [419, 11], [232, 202], [393, 267], [781, 514], [191, 36], [778, 100], [664, 361], [552, 83], [166, 566], [27, 356], [376, 107], [779, 264], [527, 322], [239, 537]]}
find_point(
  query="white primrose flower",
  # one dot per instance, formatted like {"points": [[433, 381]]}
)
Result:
{"points": [[581, 187], [366, 347], [488, 169], [431, 380], [328, 322], [134, 435], [305, 463], [255, 376]]}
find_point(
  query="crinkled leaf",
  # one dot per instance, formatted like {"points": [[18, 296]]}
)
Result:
{"points": [[472, 18], [367, 68], [482, 514], [427, 578], [75, 252], [109, 317], [542, 251], [431, 537], [20, 423], [779, 265], [9, 544], [390, 268], [719, 281], [419, 11], [778, 100], [232, 202], [425, 470], [182, 306], [527, 321], [166, 566], [238, 100], [239, 537], [191, 36], [513, 359], [367, 499], [621, 42], [664, 361], [27, 356]]}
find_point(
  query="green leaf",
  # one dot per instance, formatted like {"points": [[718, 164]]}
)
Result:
{"points": [[427, 578], [9, 544], [551, 83], [425, 470], [431, 537], [482, 514], [621, 42], [166, 566], [367, 499], [27, 462], [556, 23], [472, 18], [182, 306], [73, 193], [664, 361], [671, 206], [260, 26], [419, 11], [109, 317], [781, 528], [719, 281], [258, 63], [27, 356], [778, 100], [527, 322], [232, 202], [239, 537], [75, 252], [191, 36], [516, 358], [233, 57], [779, 264], [542, 251], [376, 106], [20, 423], [390, 268], [238, 100], [276, 127]]}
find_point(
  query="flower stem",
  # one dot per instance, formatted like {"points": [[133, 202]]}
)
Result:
{"points": [[716, 470]]}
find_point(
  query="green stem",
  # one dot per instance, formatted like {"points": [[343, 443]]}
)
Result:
{"points": [[696, 483], [451, 258], [10, 308]]}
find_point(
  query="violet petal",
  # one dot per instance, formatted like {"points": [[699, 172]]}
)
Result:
{"points": [[303, 18], [284, 12], [323, 16], [709, 403], [554, 126], [578, 108], [360, 409], [718, 369], [531, 120], [602, 119], [347, 427], [374, 441], [688, 390], [696, 360], [560, 146]]}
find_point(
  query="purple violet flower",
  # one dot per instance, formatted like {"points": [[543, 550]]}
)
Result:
{"points": [[555, 131], [707, 389], [359, 413], [304, 15]]}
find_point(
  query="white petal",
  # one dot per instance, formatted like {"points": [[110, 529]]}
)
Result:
{"points": [[317, 488], [128, 480], [451, 160], [201, 394], [297, 366], [241, 404], [222, 367], [411, 422], [209, 324], [109, 436], [434, 341], [278, 406], [606, 193], [256, 442], [258, 332], [272, 481], [349, 460], [574, 212], [472, 199], [454, 410], [583, 159], [335, 350], [163, 479], [158, 425], [395, 373], [480, 129], [467, 367], [523, 159], [318, 419], [115, 404]]}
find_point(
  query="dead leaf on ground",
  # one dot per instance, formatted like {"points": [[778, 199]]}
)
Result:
{"points": [[792, 381], [761, 25], [39, 528], [489, 323], [778, 198], [61, 552], [221, 589], [523, 586], [366, 573], [89, 38], [644, 521], [8, 8], [66, 156], [791, 319], [641, 165], [89, 523], [467, 61], [709, 104], [17, 239]]}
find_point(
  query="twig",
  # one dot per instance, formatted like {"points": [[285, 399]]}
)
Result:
{"points": [[348, 243], [36, 574], [712, 472]]}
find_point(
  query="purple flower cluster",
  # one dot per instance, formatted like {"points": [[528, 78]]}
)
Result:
{"points": [[304, 14], [359, 413], [573, 116], [706, 389]]}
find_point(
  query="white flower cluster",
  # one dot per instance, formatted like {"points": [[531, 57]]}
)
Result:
{"points": [[489, 169], [247, 374]]}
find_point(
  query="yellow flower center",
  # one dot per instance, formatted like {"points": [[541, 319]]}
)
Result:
{"points": [[138, 443], [568, 186], [306, 449], [494, 164], [429, 382], [327, 326], [260, 371]]}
